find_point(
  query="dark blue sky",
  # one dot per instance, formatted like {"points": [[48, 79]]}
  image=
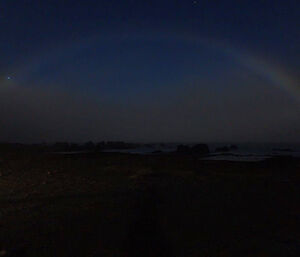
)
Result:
{"points": [[150, 70]]}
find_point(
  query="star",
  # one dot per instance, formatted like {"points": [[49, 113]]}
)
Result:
{"points": [[8, 77]]}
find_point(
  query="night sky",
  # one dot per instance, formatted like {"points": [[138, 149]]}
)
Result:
{"points": [[171, 71]]}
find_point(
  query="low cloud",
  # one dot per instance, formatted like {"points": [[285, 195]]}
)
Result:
{"points": [[195, 113]]}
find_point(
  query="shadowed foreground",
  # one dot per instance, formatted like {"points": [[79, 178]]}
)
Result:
{"points": [[126, 205]]}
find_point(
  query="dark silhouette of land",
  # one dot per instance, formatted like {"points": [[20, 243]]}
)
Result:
{"points": [[104, 204]]}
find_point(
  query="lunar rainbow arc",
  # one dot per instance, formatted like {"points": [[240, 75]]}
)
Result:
{"points": [[278, 76]]}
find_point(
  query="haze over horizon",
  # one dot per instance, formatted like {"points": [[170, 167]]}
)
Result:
{"points": [[159, 71]]}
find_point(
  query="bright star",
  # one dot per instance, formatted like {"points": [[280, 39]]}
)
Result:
{"points": [[9, 78]]}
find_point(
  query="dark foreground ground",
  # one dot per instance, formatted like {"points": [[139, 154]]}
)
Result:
{"points": [[126, 205]]}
